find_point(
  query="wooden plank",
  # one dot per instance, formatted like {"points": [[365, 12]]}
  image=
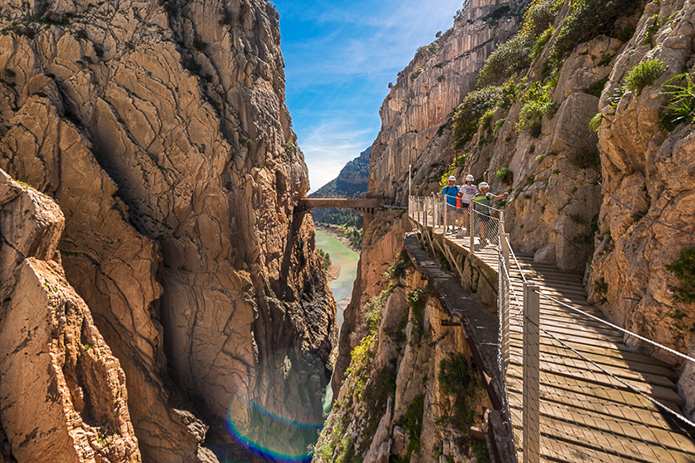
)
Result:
{"points": [[649, 434], [623, 354], [610, 443], [578, 340], [564, 373], [577, 364], [615, 362], [551, 326], [561, 332], [605, 388], [644, 412], [556, 293]]}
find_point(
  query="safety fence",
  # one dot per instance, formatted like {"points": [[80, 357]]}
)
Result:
{"points": [[442, 213], [573, 391]]}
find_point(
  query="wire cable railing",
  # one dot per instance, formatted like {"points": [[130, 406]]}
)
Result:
{"points": [[572, 389]]}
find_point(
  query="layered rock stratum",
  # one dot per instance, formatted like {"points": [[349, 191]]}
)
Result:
{"points": [[160, 130]]}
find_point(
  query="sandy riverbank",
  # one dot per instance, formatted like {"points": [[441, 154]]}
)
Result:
{"points": [[333, 271], [337, 235]]}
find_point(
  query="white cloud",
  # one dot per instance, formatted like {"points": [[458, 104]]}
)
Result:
{"points": [[329, 146]]}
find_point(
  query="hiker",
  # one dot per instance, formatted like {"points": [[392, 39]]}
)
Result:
{"points": [[450, 191], [482, 202], [466, 193]]}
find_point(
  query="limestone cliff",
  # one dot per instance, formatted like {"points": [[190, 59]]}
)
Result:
{"points": [[416, 114], [63, 393], [411, 392], [161, 131], [590, 144]]}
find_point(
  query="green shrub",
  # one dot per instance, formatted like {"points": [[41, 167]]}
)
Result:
{"points": [[595, 122], [505, 175], [416, 74], [411, 421], [397, 269], [684, 269], [325, 257], [509, 58], [374, 308], [626, 33], [541, 42], [462, 384], [645, 73], [498, 124], [538, 16], [538, 102], [457, 162], [652, 29], [469, 113], [486, 119], [417, 299], [588, 19], [514, 55], [681, 106]]}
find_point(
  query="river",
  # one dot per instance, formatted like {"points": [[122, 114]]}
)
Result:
{"points": [[347, 259]]}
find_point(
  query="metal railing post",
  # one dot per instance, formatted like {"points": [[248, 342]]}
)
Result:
{"points": [[504, 247], [471, 227], [445, 207], [427, 209], [531, 375], [435, 212]]}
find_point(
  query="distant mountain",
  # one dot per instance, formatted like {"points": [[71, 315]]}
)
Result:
{"points": [[352, 180]]}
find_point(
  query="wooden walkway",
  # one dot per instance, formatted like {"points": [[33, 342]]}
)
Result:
{"points": [[586, 414]]}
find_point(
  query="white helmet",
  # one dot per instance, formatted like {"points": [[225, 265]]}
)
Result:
{"points": [[483, 185], [452, 178], [470, 178]]}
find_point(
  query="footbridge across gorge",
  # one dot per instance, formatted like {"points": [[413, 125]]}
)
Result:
{"points": [[364, 205]]}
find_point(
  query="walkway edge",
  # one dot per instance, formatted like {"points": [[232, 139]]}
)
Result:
{"points": [[480, 325]]}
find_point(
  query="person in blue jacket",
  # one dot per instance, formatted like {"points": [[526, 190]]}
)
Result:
{"points": [[450, 191]]}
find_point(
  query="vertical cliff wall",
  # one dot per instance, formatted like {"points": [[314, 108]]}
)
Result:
{"points": [[586, 139], [161, 131], [411, 392], [63, 393], [415, 116]]}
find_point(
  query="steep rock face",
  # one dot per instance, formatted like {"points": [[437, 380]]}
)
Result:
{"points": [[383, 240], [397, 400], [69, 401], [416, 112], [162, 132], [619, 204], [648, 171]]}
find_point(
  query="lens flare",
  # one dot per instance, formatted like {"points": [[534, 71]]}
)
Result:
{"points": [[282, 422]]}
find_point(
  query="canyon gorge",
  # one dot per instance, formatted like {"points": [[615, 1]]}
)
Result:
{"points": [[161, 298]]}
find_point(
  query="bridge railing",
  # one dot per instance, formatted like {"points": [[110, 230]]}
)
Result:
{"points": [[480, 224], [614, 412]]}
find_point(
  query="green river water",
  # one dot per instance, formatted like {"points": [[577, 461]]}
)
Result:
{"points": [[347, 259]]}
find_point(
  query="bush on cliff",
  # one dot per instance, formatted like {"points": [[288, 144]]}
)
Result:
{"points": [[468, 113], [588, 19], [537, 103], [514, 55], [681, 106], [645, 73]]}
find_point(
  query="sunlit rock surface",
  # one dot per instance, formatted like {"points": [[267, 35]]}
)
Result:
{"points": [[160, 130]]}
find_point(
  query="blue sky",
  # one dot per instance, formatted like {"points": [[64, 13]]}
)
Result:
{"points": [[340, 57]]}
